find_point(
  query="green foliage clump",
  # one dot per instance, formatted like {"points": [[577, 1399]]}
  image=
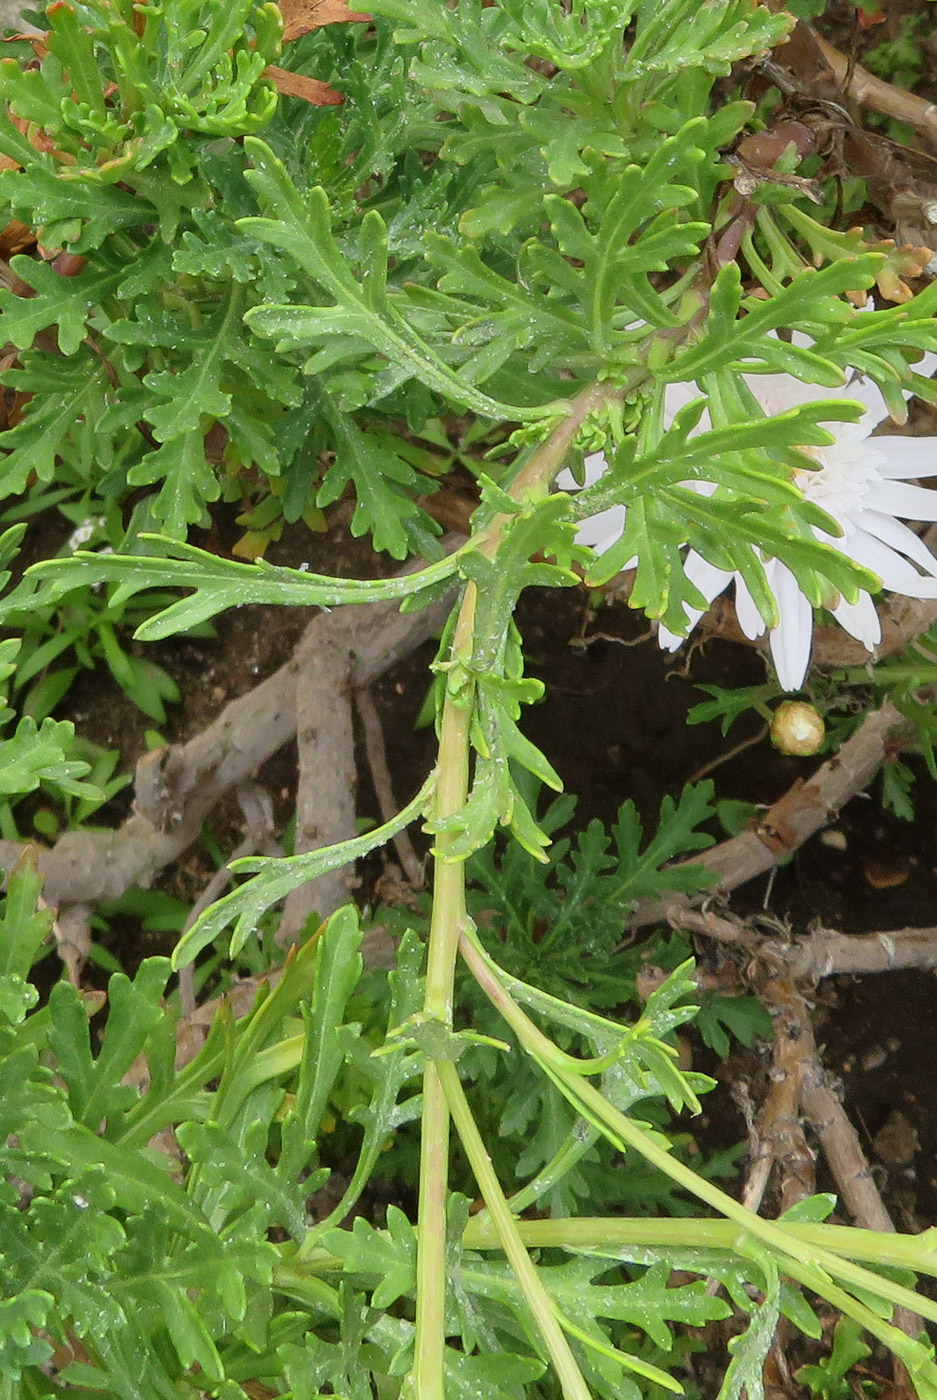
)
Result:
{"points": [[523, 215]]}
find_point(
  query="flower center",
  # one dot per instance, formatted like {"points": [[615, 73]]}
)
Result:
{"points": [[846, 471]]}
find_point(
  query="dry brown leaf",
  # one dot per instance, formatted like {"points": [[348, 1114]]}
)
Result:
{"points": [[37, 39], [299, 16], [16, 237], [297, 85]]}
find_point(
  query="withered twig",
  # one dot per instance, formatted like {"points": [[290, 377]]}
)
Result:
{"points": [[325, 792], [779, 1121], [373, 733], [800, 1082], [71, 929], [803, 810], [882, 97], [823, 952], [848, 1163], [840, 1143], [851, 79], [725, 929], [826, 953]]}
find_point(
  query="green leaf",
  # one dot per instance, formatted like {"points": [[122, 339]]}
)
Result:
{"points": [[742, 1017], [649, 1302], [390, 1254], [501, 1376], [278, 876], [385, 1077], [195, 393], [572, 38], [745, 1375], [63, 302], [811, 298], [189, 482], [362, 309], [62, 209], [66, 394], [24, 926], [383, 484], [39, 754], [23, 1319], [337, 971], [674, 37], [234, 1175], [187, 1330], [95, 1089], [829, 1377], [220, 583]]}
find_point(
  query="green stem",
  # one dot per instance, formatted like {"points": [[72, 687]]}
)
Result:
{"points": [[538, 1299], [614, 1234], [449, 920], [446, 924], [430, 1340]]}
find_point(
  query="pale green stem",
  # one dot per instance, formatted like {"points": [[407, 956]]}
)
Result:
{"points": [[446, 924], [430, 1341], [449, 920], [537, 1298], [612, 1233], [615, 1235]]}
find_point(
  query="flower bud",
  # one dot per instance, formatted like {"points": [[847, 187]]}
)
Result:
{"points": [[797, 728]]}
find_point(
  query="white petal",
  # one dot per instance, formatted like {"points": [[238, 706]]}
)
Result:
{"points": [[669, 641], [923, 588], [901, 498], [907, 456], [860, 620], [750, 619], [894, 571], [602, 530], [897, 535], [595, 466], [926, 364], [791, 640], [705, 576]]}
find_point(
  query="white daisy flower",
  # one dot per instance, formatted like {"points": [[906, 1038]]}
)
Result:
{"points": [[861, 481]]}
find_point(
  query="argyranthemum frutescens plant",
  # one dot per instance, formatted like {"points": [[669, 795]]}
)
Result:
{"points": [[552, 246]]}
